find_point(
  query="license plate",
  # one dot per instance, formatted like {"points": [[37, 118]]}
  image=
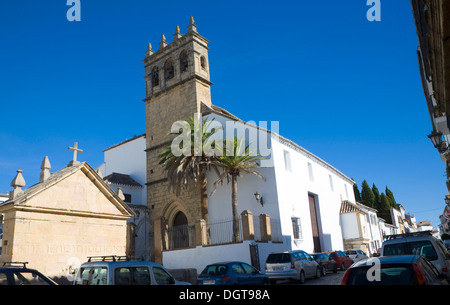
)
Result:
{"points": [[278, 268], [209, 282]]}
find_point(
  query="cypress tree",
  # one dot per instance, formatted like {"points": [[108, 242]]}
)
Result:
{"points": [[356, 191], [390, 195], [377, 201], [385, 208], [367, 196]]}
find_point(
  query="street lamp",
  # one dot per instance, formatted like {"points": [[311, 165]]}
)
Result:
{"points": [[259, 199], [436, 138]]}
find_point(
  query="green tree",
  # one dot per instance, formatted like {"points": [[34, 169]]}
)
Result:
{"points": [[390, 195], [385, 208], [377, 198], [367, 196], [235, 160], [356, 191], [190, 164]]}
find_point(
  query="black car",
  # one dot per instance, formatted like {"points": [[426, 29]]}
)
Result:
{"points": [[325, 262], [18, 274]]}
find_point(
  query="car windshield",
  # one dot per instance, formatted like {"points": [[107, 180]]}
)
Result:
{"points": [[388, 275], [421, 247], [214, 270], [279, 258]]}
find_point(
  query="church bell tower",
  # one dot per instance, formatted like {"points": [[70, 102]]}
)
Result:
{"points": [[177, 83]]}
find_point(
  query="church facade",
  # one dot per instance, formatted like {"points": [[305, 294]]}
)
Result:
{"points": [[302, 193]]}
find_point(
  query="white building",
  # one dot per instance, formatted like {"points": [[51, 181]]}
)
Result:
{"points": [[360, 227], [124, 168]]}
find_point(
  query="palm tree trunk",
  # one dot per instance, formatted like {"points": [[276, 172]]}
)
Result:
{"points": [[203, 194], [234, 205]]}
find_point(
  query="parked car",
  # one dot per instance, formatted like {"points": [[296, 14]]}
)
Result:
{"points": [[422, 243], [356, 254], [342, 260], [393, 270], [18, 274], [118, 270], [294, 265], [325, 262], [231, 273]]}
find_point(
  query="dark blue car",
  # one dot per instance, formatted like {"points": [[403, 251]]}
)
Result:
{"points": [[231, 273]]}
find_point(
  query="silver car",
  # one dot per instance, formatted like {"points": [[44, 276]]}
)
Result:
{"points": [[115, 270], [294, 265], [356, 254]]}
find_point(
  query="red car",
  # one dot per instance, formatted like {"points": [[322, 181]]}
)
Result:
{"points": [[342, 260]]}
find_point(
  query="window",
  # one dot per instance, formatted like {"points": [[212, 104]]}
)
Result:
{"points": [[310, 172], [155, 76], [249, 269], [132, 276], [162, 277], [170, 71], [287, 161], [203, 62], [92, 276], [127, 198], [29, 278], [183, 61], [237, 268], [297, 228]]}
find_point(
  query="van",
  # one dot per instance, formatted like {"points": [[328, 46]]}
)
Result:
{"points": [[419, 243], [118, 270]]}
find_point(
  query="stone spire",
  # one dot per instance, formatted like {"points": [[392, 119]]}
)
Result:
{"points": [[17, 183], [177, 33], [192, 27], [149, 50], [45, 170], [163, 42]]}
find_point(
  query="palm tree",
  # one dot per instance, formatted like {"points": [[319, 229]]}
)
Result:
{"points": [[235, 160], [191, 164]]}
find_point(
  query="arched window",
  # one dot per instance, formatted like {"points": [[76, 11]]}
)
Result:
{"points": [[184, 61], [155, 76], [170, 71], [203, 62], [180, 231]]}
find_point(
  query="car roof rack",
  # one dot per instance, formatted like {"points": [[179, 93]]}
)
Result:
{"points": [[107, 258], [15, 264], [409, 234]]}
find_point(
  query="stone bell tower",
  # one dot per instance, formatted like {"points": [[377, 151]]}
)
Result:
{"points": [[177, 83]]}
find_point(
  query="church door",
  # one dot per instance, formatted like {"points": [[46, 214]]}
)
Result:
{"points": [[180, 232], [314, 223]]}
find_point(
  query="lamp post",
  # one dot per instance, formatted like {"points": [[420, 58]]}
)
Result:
{"points": [[259, 199], [436, 138]]}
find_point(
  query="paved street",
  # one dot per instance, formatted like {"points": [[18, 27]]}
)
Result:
{"points": [[329, 279]]}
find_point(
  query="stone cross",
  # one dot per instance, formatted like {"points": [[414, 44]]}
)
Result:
{"points": [[75, 150]]}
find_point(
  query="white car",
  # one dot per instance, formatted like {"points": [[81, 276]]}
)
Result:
{"points": [[356, 254]]}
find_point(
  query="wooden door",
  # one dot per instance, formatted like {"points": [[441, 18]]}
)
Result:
{"points": [[314, 223]]}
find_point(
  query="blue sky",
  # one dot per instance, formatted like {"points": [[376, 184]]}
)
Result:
{"points": [[344, 88]]}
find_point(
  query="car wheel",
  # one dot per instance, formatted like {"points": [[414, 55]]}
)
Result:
{"points": [[335, 268], [318, 273], [273, 282], [302, 277], [343, 267], [324, 270]]}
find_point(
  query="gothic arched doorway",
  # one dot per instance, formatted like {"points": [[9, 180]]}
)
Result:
{"points": [[180, 231]]}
